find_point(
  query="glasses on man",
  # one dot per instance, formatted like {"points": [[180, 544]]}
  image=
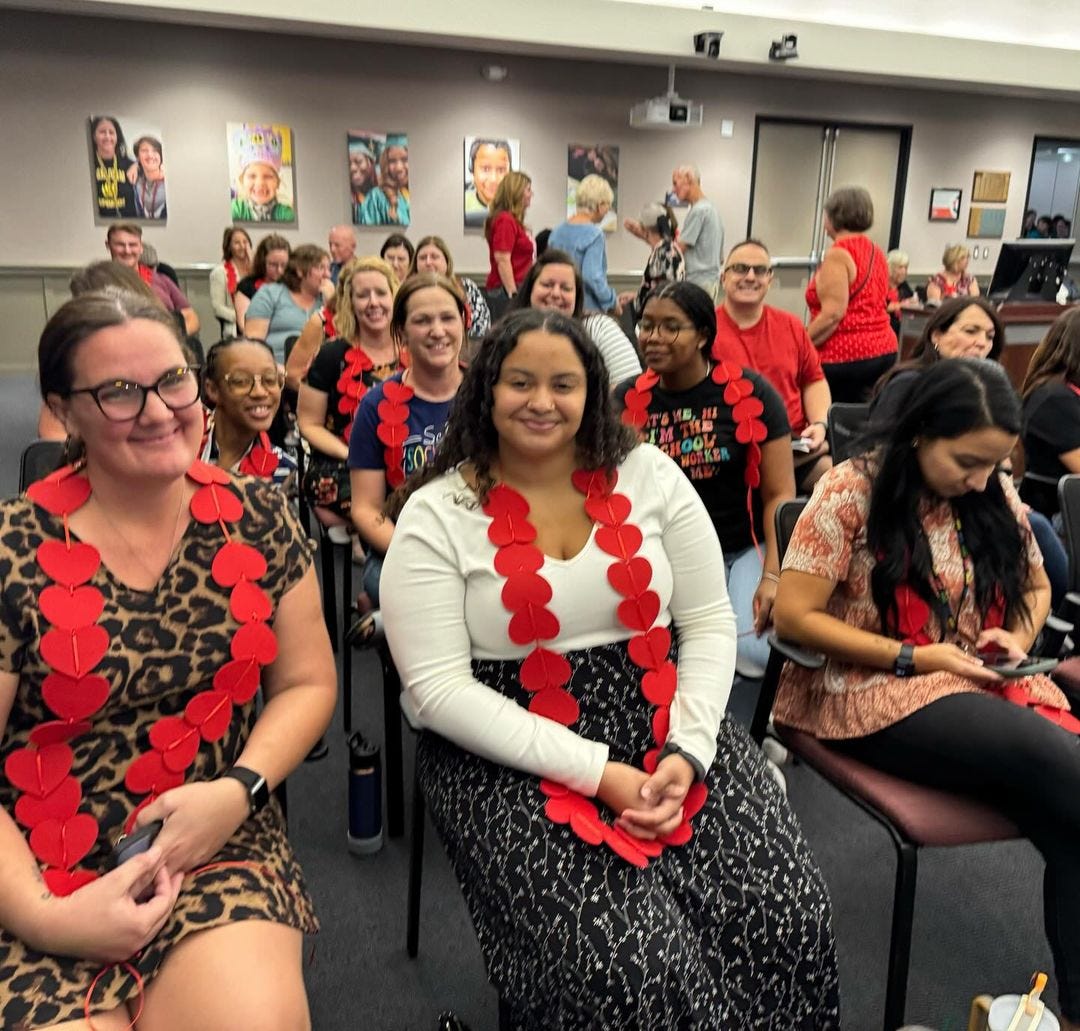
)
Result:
{"points": [[241, 384], [121, 400], [742, 269], [666, 330]]}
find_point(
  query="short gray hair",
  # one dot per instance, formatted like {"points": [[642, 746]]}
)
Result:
{"points": [[690, 171], [593, 191], [897, 257]]}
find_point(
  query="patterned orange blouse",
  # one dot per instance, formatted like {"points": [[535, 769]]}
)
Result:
{"points": [[841, 700]]}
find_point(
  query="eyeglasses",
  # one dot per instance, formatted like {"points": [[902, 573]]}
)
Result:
{"points": [[120, 400], [761, 271], [667, 331], [243, 383]]}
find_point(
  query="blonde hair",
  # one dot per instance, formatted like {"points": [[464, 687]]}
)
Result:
{"points": [[593, 191], [344, 314], [510, 196], [953, 253]]}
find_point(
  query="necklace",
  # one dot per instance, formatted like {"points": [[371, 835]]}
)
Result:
{"points": [[48, 806], [950, 619], [261, 459], [351, 385], [544, 673], [393, 428], [134, 552]]}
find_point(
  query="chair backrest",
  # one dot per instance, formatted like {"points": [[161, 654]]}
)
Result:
{"points": [[787, 515], [1069, 502], [845, 424], [40, 458]]}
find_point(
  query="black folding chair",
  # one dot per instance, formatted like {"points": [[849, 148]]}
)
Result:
{"points": [[39, 458], [843, 427]]}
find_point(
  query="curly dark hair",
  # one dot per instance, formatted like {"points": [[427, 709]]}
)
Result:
{"points": [[602, 440]]}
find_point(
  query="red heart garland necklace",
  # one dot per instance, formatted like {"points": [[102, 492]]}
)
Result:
{"points": [[746, 410], [230, 276], [261, 459], [48, 806], [544, 673], [393, 428]]}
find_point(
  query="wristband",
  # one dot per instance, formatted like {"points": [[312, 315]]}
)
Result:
{"points": [[775, 577]]}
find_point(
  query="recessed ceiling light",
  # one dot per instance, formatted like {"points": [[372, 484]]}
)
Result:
{"points": [[494, 72]]}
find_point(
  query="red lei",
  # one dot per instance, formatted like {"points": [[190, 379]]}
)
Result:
{"points": [[746, 410], [230, 277], [261, 459], [544, 673], [351, 386], [60, 835], [393, 428], [146, 274]]}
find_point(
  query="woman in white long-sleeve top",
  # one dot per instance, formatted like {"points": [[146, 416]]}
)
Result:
{"points": [[554, 600]]}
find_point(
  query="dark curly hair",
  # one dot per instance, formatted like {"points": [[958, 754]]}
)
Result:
{"points": [[602, 440]]}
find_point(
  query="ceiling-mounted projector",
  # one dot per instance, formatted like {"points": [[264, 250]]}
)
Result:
{"points": [[667, 112]]}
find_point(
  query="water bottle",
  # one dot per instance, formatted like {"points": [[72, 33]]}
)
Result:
{"points": [[365, 797]]}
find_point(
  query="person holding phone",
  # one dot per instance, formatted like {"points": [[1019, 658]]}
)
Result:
{"points": [[906, 563]]}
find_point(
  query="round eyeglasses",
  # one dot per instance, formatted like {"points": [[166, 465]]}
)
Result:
{"points": [[121, 400], [240, 384]]}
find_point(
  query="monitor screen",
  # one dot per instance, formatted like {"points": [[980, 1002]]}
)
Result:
{"points": [[1030, 270]]}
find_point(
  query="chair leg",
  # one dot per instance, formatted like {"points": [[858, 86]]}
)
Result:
{"points": [[504, 1015], [907, 865], [329, 598], [395, 773], [346, 651], [416, 869]]}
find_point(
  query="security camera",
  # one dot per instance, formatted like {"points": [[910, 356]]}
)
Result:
{"points": [[784, 49], [708, 43]]}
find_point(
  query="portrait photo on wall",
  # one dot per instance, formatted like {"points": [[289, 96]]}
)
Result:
{"points": [[379, 177], [262, 186], [600, 159], [127, 169], [487, 160]]}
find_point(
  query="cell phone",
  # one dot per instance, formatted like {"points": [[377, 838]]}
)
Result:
{"points": [[128, 846], [802, 444], [1027, 666]]}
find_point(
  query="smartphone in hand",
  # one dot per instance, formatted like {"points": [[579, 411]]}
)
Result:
{"points": [[1001, 663]]}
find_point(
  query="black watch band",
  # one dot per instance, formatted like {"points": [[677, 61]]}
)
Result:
{"points": [[904, 666], [255, 783]]}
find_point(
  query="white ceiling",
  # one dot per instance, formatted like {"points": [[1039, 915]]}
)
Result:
{"points": [[1046, 23]]}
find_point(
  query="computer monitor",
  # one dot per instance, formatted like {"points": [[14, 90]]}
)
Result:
{"points": [[1030, 270]]}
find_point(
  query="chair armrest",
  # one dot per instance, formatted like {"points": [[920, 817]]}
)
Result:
{"points": [[800, 656]]}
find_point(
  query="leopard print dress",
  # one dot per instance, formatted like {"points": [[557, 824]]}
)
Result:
{"points": [[165, 646]]}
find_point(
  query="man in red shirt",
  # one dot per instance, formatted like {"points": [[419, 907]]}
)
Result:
{"points": [[775, 344]]}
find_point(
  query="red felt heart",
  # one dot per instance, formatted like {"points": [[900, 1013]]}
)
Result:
{"points": [[390, 412], [658, 685], [235, 561], [650, 760], [65, 882], [1062, 717], [594, 481], [39, 771], [63, 843], [637, 400], [177, 741], [523, 589], [261, 460], [210, 711], [395, 475], [60, 497], [346, 405], [507, 528], [747, 408], [149, 773], [239, 679], [590, 831], [636, 419], [532, 623], [397, 392], [661, 724], [69, 567], [54, 732], [75, 652], [608, 511], [723, 371], [502, 500], [353, 389], [558, 810], [205, 473], [255, 641], [736, 390], [69, 608], [650, 651], [695, 799], [680, 835], [518, 558], [630, 578], [619, 541], [752, 477], [543, 669], [62, 803], [639, 613], [392, 434], [624, 848], [248, 603], [651, 847], [553, 789], [751, 430], [73, 699], [215, 502], [554, 703]]}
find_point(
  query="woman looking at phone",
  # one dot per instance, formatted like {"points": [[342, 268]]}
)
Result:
{"points": [[906, 563]]}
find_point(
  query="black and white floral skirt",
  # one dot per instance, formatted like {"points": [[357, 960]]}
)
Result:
{"points": [[730, 931]]}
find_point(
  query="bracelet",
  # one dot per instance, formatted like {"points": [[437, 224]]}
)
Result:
{"points": [[775, 577], [819, 422]]}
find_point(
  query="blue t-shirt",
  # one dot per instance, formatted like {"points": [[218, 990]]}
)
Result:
{"points": [[584, 242], [427, 422]]}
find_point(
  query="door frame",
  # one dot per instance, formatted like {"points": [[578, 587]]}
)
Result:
{"points": [[902, 163]]}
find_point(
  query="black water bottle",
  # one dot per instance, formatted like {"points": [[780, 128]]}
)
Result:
{"points": [[365, 796]]}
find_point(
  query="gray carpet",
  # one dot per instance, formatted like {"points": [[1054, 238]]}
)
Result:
{"points": [[978, 924]]}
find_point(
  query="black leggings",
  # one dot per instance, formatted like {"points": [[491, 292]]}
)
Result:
{"points": [[853, 381], [1025, 766]]}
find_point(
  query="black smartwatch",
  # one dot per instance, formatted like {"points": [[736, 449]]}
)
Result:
{"points": [[904, 666], [255, 783]]}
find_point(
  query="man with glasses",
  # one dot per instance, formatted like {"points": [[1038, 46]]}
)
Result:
{"points": [[775, 343]]}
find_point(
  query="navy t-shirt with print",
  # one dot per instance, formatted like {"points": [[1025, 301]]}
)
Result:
{"points": [[427, 423], [695, 428]]}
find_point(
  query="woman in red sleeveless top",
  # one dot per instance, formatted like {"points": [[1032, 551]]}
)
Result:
{"points": [[848, 322]]}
